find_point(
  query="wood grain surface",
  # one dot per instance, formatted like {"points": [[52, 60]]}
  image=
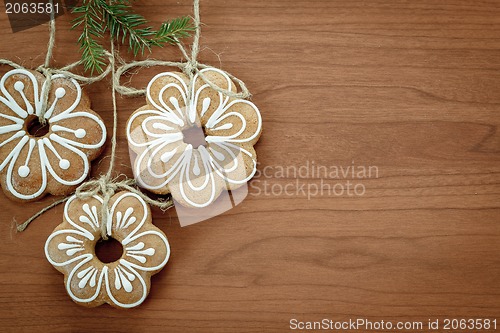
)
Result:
{"points": [[409, 87]]}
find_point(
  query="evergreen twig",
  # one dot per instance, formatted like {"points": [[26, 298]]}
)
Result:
{"points": [[96, 17]]}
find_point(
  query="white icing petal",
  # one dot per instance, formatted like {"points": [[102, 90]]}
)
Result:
{"points": [[234, 117], [145, 256], [60, 93], [24, 168], [156, 128], [202, 101], [167, 100], [62, 162], [25, 108], [87, 223], [187, 185], [228, 161], [165, 157], [66, 246], [129, 215], [10, 128], [78, 137], [85, 280], [197, 92], [159, 126], [125, 278]]}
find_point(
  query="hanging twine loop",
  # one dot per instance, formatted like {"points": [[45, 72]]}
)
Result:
{"points": [[190, 67], [45, 68], [47, 85], [105, 186]]}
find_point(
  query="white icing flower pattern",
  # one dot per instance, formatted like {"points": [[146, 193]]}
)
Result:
{"points": [[70, 249], [68, 142], [166, 163]]}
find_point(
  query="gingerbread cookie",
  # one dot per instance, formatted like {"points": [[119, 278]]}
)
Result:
{"points": [[124, 283], [193, 143], [35, 160]]}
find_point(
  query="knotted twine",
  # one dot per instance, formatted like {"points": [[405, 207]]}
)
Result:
{"points": [[105, 185]]}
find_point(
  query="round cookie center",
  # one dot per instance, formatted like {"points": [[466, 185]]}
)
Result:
{"points": [[108, 251], [194, 136], [35, 128]]}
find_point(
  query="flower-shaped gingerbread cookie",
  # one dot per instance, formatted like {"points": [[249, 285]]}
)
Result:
{"points": [[193, 143], [124, 283], [34, 163]]}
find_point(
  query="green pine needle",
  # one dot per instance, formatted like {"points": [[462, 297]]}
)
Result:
{"points": [[92, 51], [96, 17], [171, 31]]}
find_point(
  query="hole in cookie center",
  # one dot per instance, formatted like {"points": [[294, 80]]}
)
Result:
{"points": [[194, 136], [108, 250], [35, 128]]}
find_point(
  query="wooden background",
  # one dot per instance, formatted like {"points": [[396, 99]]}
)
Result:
{"points": [[412, 87]]}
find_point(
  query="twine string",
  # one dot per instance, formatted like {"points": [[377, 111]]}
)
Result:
{"points": [[52, 36], [192, 64], [45, 68], [25, 224], [10, 63], [105, 185]]}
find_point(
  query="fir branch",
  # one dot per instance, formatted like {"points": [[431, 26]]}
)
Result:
{"points": [[122, 22], [171, 31], [96, 17], [92, 51]]}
